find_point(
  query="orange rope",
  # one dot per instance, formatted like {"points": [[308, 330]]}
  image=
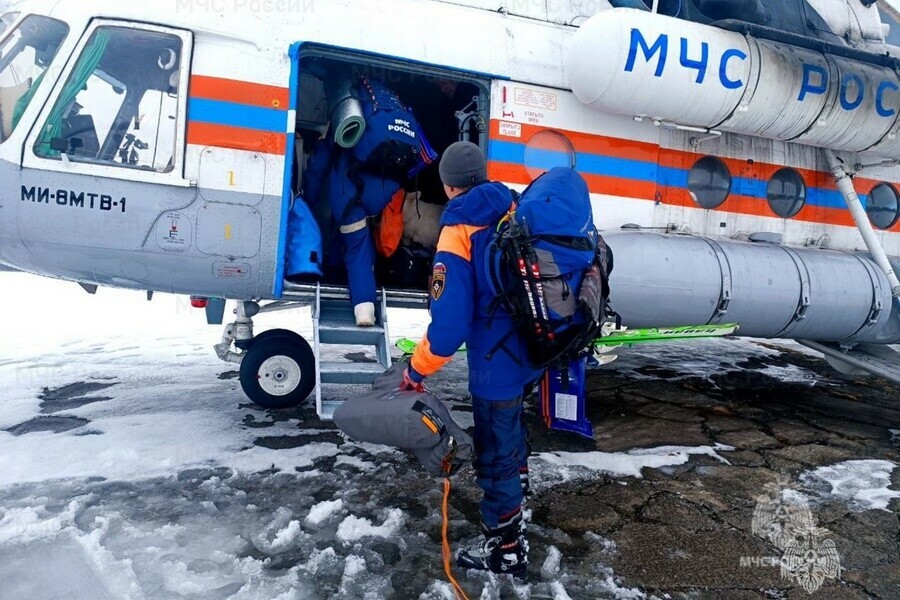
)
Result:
{"points": [[448, 569]]}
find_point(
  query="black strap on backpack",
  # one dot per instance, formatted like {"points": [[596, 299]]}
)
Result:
{"points": [[514, 249]]}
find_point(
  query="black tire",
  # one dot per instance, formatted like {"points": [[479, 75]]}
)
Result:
{"points": [[288, 353], [276, 333]]}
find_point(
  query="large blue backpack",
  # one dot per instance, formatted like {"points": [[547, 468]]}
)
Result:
{"points": [[393, 145], [550, 268]]}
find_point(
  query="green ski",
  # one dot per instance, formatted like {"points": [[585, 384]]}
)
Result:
{"points": [[633, 336], [666, 334], [408, 346]]}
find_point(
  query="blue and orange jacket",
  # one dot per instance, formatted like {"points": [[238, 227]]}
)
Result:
{"points": [[461, 294]]}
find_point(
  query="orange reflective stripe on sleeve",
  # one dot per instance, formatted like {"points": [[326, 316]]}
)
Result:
{"points": [[457, 239], [426, 362]]}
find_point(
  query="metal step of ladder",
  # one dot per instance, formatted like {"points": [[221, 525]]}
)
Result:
{"points": [[334, 324]]}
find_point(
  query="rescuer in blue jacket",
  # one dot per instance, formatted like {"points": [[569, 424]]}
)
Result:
{"points": [[359, 182], [460, 299], [353, 197]]}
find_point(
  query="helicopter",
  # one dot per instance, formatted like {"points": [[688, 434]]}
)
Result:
{"points": [[742, 156]]}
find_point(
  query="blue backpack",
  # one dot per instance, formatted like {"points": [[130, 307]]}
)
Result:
{"points": [[393, 145], [549, 269]]}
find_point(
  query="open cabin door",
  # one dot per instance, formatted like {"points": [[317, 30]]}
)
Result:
{"points": [[446, 104]]}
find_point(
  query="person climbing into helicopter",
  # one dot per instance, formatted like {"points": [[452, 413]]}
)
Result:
{"points": [[361, 181]]}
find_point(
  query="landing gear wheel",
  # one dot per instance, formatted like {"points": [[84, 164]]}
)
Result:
{"points": [[278, 371], [277, 333]]}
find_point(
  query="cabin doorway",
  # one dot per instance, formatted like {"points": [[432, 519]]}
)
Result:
{"points": [[447, 105]]}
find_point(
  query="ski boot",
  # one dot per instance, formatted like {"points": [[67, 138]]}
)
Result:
{"points": [[504, 550]]}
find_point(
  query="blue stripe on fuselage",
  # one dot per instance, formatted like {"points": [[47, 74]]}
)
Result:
{"points": [[644, 171], [230, 114]]}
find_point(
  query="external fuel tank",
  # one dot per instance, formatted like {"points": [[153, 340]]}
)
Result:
{"points": [[771, 290]]}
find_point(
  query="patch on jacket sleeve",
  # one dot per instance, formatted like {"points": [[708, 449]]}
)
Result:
{"points": [[438, 281]]}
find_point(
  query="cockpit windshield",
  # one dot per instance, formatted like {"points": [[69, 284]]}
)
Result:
{"points": [[25, 57]]}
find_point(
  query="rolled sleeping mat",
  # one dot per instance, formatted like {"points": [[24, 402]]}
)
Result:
{"points": [[411, 421], [345, 110]]}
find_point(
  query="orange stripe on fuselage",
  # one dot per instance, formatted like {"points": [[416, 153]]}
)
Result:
{"points": [[514, 173], [758, 207], [236, 138], [588, 143], [751, 169], [239, 92], [598, 184]]}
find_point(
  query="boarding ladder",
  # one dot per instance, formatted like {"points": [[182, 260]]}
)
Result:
{"points": [[334, 324]]}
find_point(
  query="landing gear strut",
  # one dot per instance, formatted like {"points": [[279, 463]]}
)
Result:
{"points": [[278, 367]]}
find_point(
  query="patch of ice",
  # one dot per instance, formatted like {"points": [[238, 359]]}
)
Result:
{"points": [[323, 510], [354, 528], [550, 568], [354, 566], [606, 545], [287, 536], [691, 358], [523, 591], [559, 591], [438, 590], [118, 573], [792, 374], [283, 533], [319, 559], [355, 462], [22, 525], [629, 464], [608, 584], [373, 449], [863, 484]]}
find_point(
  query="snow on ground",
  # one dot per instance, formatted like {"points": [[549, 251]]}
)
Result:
{"points": [[685, 360], [863, 484], [355, 528], [323, 511], [570, 465], [128, 469], [168, 412], [131, 466]]}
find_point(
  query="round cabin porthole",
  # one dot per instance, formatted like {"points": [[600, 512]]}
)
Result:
{"points": [[883, 206], [786, 193], [709, 182], [547, 150]]}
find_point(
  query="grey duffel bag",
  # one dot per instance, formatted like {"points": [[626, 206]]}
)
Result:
{"points": [[410, 421]]}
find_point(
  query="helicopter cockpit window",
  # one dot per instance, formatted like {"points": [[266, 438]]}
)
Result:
{"points": [[24, 58], [120, 104]]}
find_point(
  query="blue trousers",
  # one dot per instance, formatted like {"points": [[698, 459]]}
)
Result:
{"points": [[501, 449], [350, 207], [359, 255]]}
